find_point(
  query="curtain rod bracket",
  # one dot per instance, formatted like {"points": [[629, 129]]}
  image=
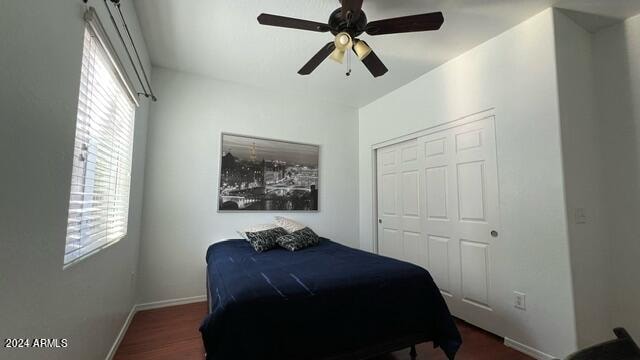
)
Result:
{"points": [[153, 97]]}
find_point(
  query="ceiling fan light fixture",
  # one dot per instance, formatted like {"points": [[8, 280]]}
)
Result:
{"points": [[344, 39], [338, 55], [361, 49], [343, 43]]}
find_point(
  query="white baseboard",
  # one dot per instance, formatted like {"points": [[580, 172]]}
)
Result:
{"points": [[534, 353], [172, 302], [123, 330], [149, 306]]}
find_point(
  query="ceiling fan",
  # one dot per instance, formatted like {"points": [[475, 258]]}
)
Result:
{"points": [[346, 24]]}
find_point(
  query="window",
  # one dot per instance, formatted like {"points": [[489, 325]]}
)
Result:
{"points": [[101, 175]]}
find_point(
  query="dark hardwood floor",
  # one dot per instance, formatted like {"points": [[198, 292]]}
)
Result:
{"points": [[165, 334], [172, 334]]}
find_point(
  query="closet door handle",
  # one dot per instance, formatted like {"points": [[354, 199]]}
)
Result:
{"points": [[494, 233]]}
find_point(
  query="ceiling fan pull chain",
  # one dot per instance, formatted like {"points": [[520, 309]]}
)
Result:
{"points": [[348, 64]]}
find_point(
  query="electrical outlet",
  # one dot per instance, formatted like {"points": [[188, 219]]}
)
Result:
{"points": [[520, 300]]}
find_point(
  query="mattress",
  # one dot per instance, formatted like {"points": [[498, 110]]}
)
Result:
{"points": [[325, 302]]}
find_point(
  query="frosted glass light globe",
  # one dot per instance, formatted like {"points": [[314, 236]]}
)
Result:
{"points": [[344, 40]]}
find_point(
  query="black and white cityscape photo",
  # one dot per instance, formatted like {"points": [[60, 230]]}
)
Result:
{"points": [[267, 175]]}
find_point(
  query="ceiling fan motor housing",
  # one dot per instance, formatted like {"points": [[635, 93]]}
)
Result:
{"points": [[339, 24]]}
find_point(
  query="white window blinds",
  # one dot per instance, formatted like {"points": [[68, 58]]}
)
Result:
{"points": [[100, 180]]}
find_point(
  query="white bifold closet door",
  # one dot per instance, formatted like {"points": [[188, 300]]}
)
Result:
{"points": [[399, 209], [438, 208]]}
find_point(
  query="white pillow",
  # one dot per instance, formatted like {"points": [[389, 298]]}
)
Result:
{"points": [[255, 228], [288, 224]]}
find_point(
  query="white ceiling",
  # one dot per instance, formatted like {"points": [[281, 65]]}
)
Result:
{"points": [[222, 39]]}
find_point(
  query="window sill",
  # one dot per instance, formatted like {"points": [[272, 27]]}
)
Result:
{"points": [[90, 254]]}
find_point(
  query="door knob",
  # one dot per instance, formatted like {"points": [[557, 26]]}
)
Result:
{"points": [[379, 221], [494, 233]]}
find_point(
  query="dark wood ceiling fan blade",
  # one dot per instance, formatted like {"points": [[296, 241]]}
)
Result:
{"points": [[353, 6], [405, 24], [292, 23], [375, 65], [317, 59]]}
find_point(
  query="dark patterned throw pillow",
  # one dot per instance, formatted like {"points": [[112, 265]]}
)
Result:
{"points": [[298, 240], [265, 240]]}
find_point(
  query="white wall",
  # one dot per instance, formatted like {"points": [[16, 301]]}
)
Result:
{"points": [[617, 63], [514, 73], [40, 60], [590, 244], [180, 211]]}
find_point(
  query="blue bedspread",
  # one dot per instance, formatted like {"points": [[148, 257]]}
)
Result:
{"points": [[325, 302]]}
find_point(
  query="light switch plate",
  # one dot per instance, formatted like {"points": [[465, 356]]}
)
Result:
{"points": [[520, 300], [581, 216]]}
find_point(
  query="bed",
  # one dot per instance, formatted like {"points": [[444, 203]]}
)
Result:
{"points": [[324, 302]]}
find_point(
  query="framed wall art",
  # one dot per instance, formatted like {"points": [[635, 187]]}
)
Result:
{"points": [[258, 174]]}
